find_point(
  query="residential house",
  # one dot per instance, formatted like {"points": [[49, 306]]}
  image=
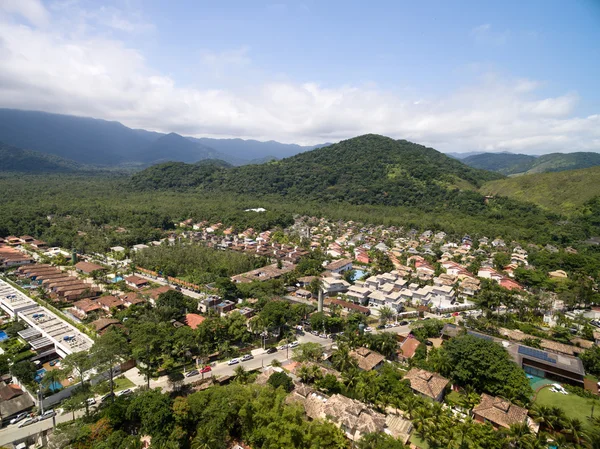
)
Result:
{"points": [[354, 418], [194, 320], [426, 383], [88, 267], [13, 401], [136, 281], [85, 306], [339, 266], [104, 324], [332, 286], [348, 306], [499, 412], [108, 303], [408, 348], [367, 360]]}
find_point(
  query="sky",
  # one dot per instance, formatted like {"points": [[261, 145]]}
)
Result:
{"points": [[460, 75]]}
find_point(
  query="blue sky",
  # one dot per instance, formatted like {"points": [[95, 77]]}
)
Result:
{"points": [[519, 76]]}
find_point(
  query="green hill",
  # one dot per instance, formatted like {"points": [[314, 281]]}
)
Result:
{"points": [[505, 163], [29, 161], [369, 169], [563, 191], [513, 164]]}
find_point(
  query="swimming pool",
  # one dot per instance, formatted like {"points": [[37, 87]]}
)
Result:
{"points": [[54, 386], [39, 375], [537, 382], [358, 274], [3, 336], [117, 279]]}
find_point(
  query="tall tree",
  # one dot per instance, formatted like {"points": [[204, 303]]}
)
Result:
{"points": [[108, 352]]}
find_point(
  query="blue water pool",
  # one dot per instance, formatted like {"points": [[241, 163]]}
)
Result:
{"points": [[117, 279], [39, 374], [358, 274], [3, 336], [54, 386]]}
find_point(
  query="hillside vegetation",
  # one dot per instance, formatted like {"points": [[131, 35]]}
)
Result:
{"points": [[513, 164], [369, 169], [18, 160], [561, 192]]}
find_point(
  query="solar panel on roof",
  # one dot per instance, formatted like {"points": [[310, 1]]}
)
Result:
{"points": [[536, 353], [482, 336]]}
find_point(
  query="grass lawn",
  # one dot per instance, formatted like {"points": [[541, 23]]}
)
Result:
{"points": [[122, 383], [574, 406], [414, 439]]}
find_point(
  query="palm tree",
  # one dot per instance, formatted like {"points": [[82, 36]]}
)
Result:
{"points": [[342, 360], [351, 377], [51, 378], [241, 374], [206, 438], [385, 314], [518, 435], [410, 403], [574, 429]]}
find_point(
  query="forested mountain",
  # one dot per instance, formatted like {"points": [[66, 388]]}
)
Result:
{"points": [[505, 163], [369, 169], [562, 192], [462, 156], [101, 142], [173, 147], [253, 149], [14, 159], [81, 139], [511, 164]]}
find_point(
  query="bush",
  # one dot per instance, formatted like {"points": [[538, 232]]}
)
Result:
{"points": [[281, 380]]}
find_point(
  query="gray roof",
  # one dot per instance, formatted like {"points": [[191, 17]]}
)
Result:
{"points": [[15, 406]]}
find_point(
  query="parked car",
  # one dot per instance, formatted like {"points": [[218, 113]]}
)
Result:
{"points": [[192, 373], [323, 336], [233, 361], [27, 422], [19, 417], [247, 357], [282, 347], [47, 414], [272, 350], [294, 344], [403, 323], [91, 401], [206, 369], [125, 392]]}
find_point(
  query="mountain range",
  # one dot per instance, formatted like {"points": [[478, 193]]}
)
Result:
{"points": [[109, 144], [517, 164]]}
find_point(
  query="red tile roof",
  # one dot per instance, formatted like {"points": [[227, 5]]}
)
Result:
{"points": [[194, 320]]}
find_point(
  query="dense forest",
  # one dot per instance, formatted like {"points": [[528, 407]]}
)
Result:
{"points": [[87, 212], [195, 263], [511, 164], [19, 160], [370, 179], [369, 169]]}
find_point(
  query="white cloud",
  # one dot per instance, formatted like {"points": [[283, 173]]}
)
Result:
{"points": [[48, 69], [31, 10]]}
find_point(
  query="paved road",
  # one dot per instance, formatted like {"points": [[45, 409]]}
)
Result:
{"points": [[260, 360], [12, 432]]}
